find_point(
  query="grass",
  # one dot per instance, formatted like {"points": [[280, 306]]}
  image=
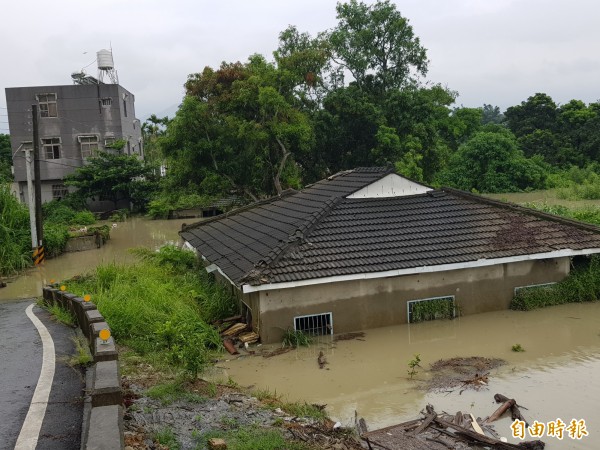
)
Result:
{"points": [[517, 348], [82, 356], [61, 315], [295, 338], [14, 233], [253, 438], [161, 307], [166, 437], [298, 409], [168, 393]]}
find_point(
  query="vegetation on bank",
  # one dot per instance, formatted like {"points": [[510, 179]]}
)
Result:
{"points": [[161, 307], [582, 285]]}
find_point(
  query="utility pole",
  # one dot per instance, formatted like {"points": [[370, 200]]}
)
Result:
{"points": [[32, 222], [37, 176]]}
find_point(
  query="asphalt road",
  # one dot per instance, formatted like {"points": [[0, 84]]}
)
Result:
{"points": [[20, 366]]}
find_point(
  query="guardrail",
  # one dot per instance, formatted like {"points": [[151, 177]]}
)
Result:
{"points": [[102, 426]]}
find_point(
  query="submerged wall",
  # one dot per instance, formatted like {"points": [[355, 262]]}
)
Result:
{"points": [[363, 304]]}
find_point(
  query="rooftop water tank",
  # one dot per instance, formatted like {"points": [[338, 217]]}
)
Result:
{"points": [[105, 60]]}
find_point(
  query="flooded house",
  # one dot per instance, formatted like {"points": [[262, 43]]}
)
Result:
{"points": [[364, 247]]}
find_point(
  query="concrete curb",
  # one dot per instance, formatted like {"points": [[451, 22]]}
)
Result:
{"points": [[102, 425]]}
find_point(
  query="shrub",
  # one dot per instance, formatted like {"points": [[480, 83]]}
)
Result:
{"points": [[582, 285], [55, 239], [83, 218], [15, 236]]}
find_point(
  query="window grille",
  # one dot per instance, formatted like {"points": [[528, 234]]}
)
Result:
{"points": [[107, 101], [47, 104], [51, 148], [431, 309], [59, 191], [314, 325], [532, 286]]}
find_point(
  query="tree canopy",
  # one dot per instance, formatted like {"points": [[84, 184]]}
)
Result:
{"points": [[355, 96], [109, 176]]}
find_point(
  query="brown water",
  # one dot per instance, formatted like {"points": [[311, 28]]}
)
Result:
{"points": [[135, 232], [557, 375]]}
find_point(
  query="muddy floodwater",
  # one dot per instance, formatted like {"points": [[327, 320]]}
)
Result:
{"points": [[558, 375], [135, 232]]}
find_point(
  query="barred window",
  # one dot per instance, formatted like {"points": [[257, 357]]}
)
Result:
{"points": [[47, 104], [51, 148], [59, 191]]}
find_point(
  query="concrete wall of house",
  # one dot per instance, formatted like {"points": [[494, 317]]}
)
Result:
{"points": [[364, 304], [80, 112]]}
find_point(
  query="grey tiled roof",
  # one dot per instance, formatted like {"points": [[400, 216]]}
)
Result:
{"points": [[317, 232]]}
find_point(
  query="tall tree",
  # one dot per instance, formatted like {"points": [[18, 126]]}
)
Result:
{"points": [[376, 44], [241, 123]]}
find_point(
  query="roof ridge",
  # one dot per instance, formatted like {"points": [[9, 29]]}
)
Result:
{"points": [[298, 235], [241, 209], [522, 209]]}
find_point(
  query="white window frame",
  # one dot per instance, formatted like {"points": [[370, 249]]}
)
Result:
{"points": [[88, 148], [530, 286], [46, 146], [48, 106], [330, 314], [409, 302]]}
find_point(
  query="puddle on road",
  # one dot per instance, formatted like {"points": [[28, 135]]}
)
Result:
{"points": [[135, 232], [555, 377]]}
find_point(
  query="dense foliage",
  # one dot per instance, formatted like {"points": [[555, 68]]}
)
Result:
{"points": [[15, 240], [5, 158], [161, 306], [582, 285], [113, 177], [354, 96]]}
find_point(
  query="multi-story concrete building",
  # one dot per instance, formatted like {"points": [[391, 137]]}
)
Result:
{"points": [[75, 121]]}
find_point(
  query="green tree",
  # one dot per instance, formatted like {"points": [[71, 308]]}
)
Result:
{"points": [[241, 123], [539, 112], [491, 114], [493, 162], [377, 45], [109, 176], [5, 158]]}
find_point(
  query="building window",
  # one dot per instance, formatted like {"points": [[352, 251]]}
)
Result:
{"points": [[106, 101], [531, 287], [89, 145], [314, 325], [125, 107], [59, 191], [431, 309], [51, 148], [47, 104]]}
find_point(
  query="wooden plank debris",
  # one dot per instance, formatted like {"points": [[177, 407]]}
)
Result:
{"points": [[234, 329], [442, 431]]}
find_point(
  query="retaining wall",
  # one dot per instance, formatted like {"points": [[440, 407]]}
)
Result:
{"points": [[102, 427]]}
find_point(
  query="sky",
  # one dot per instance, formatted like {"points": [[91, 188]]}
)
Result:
{"points": [[498, 52]]}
